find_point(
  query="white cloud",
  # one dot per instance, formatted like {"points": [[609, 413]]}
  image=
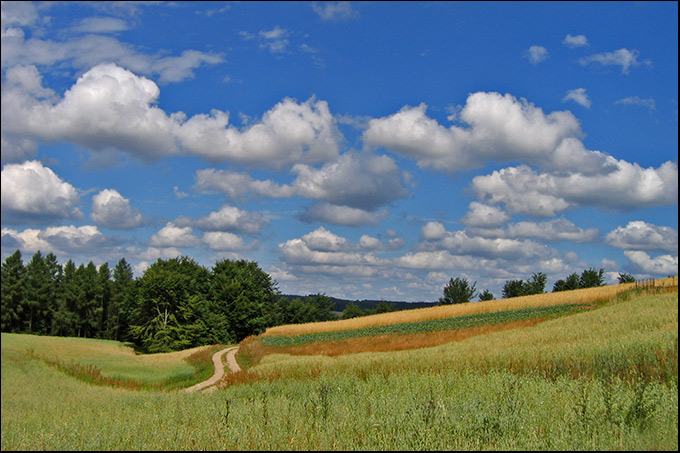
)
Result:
{"points": [[352, 180], [84, 240], [579, 96], [316, 252], [555, 230], [228, 219], [524, 191], [575, 41], [501, 128], [34, 193], [649, 103], [110, 107], [335, 11], [290, 132], [173, 236], [351, 187], [536, 54], [625, 58], [640, 235], [663, 265], [111, 209], [462, 243], [224, 241], [341, 215], [484, 216]]}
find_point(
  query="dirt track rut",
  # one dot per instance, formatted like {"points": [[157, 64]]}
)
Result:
{"points": [[209, 385]]}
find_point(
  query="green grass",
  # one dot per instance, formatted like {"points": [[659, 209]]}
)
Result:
{"points": [[602, 379], [112, 362]]}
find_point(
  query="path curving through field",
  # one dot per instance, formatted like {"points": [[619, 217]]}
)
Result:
{"points": [[209, 385]]}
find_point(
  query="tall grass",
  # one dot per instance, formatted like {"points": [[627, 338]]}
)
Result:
{"points": [[582, 296], [632, 340], [112, 363], [604, 379]]}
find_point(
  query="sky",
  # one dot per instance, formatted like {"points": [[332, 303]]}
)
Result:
{"points": [[363, 150]]}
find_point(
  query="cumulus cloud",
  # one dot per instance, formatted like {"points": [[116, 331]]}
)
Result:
{"points": [[173, 236], [524, 191], [324, 248], [662, 265], [462, 243], [341, 215], [225, 241], [350, 189], [625, 58], [111, 209], [640, 235], [228, 219], [579, 96], [83, 240], [32, 192], [556, 230], [575, 41], [500, 128], [536, 54], [484, 216], [352, 180], [111, 108]]}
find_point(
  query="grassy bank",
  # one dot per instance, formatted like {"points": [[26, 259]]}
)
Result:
{"points": [[602, 379]]}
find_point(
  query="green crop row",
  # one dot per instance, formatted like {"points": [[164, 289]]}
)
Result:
{"points": [[475, 320]]}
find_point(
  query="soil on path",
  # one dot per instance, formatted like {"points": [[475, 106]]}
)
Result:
{"points": [[209, 385]]}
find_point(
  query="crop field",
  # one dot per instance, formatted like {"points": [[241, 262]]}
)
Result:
{"points": [[582, 378]]}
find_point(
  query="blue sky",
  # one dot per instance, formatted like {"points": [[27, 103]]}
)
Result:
{"points": [[369, 150]]}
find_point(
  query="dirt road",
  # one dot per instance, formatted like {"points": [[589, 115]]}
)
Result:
{"points": [[209, 385]]}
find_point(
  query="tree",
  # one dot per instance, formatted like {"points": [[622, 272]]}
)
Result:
{"points": [[591, 278], [485, 295], [243, 297], [457, 291], [13, 292], [120, 305], [626, 278], [513, 288], [352, 310], [536, 285], [571, 283], [171, 302]]}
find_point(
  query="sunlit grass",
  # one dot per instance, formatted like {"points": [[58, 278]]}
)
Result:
{"points": [[582, 296], [112, 359]]}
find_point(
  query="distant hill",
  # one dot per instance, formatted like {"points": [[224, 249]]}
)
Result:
{"points": [[366, 304]]}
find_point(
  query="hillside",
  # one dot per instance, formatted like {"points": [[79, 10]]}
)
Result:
{"points": [[587, 371], [339, 305]]}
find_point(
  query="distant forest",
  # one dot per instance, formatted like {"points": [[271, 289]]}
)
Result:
{"points": [[176, 303]]}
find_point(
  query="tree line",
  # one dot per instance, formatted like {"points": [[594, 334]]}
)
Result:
{"points": [[459, 290], [176, 303]]}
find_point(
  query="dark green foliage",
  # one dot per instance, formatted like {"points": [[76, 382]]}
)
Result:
{"points": [[166, 314], [485, 295], [571, 283], [517, 288], [457, 291], [589, 278], [245, 296], [352, 310], [13, 292], [626, 278]]}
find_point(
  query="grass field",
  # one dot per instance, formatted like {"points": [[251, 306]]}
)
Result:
{"points": [[596, 379]]}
